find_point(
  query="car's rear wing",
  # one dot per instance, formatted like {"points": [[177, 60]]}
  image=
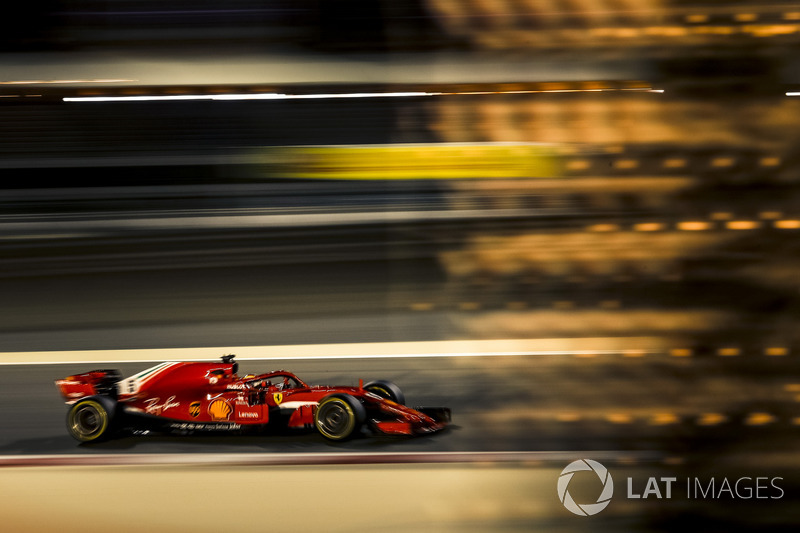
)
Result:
{"points": [[96, 382]]}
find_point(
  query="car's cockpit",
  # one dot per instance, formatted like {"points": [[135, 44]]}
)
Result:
{"points": [[275, 381]]}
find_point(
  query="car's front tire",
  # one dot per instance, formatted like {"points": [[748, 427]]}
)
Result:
{"points": [[90, 420], [339, 416], [386, 389]]}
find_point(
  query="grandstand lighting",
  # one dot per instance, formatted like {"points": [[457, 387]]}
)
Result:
{"points": [[242, 96]]}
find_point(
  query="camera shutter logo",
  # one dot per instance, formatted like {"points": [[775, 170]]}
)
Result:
{"points": [[586, 509]]}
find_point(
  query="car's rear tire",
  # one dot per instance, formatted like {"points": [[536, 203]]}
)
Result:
{"points": [[90, 420], [386, 389], [339, 416]]}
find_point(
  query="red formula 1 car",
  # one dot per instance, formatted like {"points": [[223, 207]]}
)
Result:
{"points": [[189, 397]]}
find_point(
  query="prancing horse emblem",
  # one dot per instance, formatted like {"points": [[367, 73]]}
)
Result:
{"points": [[278, 397]]}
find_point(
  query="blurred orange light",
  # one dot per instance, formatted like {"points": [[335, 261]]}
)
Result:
{"points": [[693, 226], [787, 224], [743, 224]]}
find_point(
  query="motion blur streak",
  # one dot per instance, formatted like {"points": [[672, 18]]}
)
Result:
{"points": [[321, 96], [377, 350], [307, 458], [65, 82], [495, 495], [280, 96], [262, 96]]}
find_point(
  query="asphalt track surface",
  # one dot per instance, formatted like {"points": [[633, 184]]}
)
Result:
{"points": [[514, 403]]}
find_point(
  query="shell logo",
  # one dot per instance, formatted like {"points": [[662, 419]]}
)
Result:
{"points": [[219, 410]]}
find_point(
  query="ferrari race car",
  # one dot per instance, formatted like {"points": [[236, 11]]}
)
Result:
{"points": [[191, 397]]}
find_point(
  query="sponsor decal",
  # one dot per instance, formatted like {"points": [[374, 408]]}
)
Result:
{"points": [[191, 426], [194, 409], [247, 414], [278, 397], [236, 386], [153, 407], [219, 410]]}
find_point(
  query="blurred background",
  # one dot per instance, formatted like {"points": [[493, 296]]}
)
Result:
{"points": [[612, 182]]}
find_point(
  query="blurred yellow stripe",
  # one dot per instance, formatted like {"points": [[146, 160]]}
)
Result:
{"points": [[411, 161]]}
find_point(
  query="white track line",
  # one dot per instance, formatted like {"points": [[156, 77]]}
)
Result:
{"points": [[321, 357], [388, 350]]}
